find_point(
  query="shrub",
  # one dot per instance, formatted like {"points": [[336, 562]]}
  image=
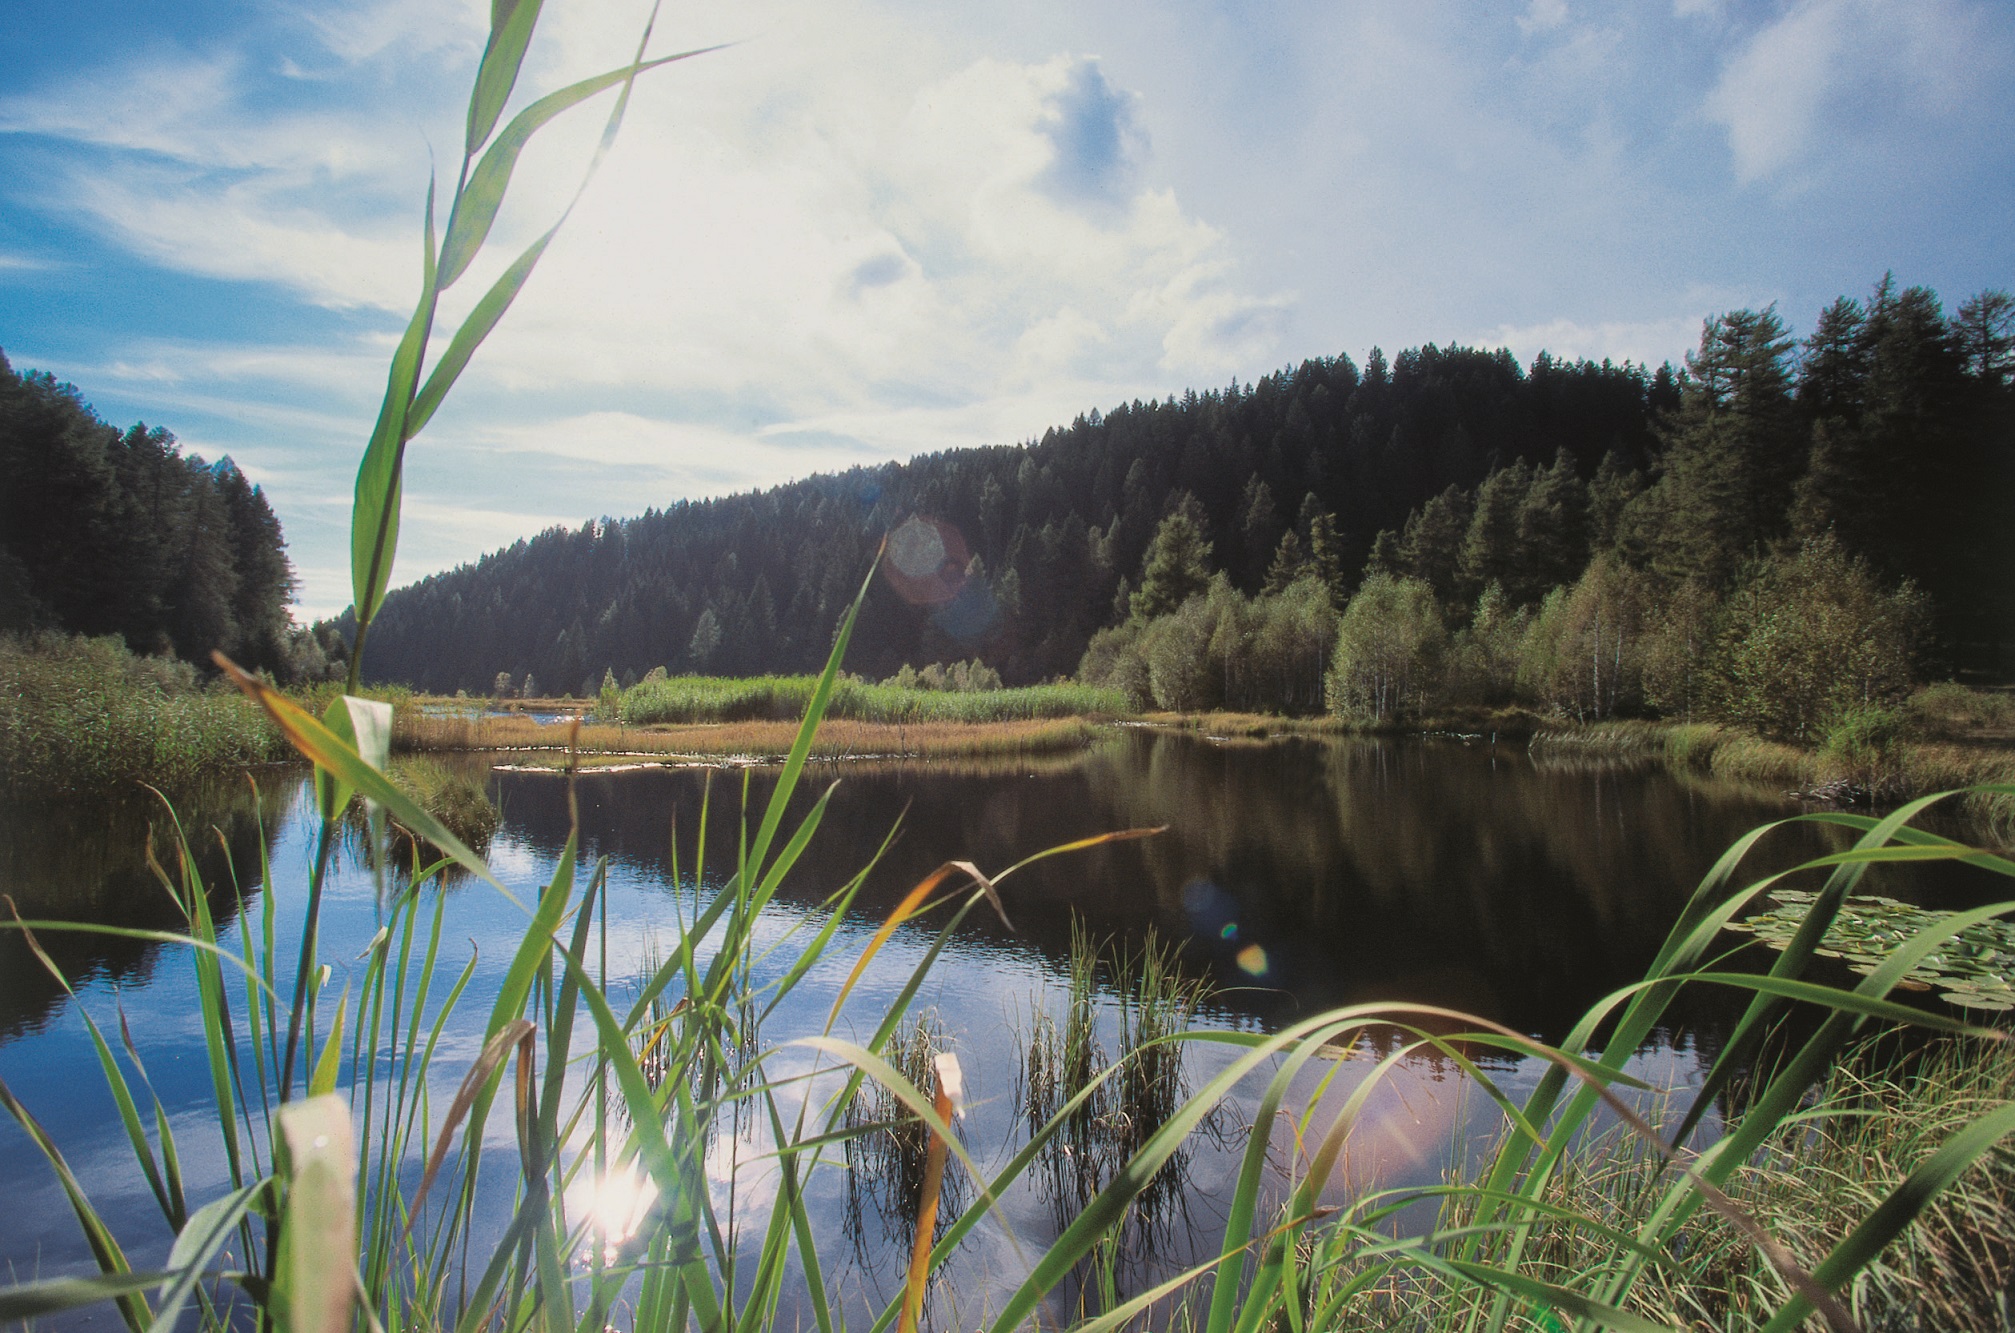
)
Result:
{"points": [[1582, 654], [1807, 636], [1389, 648]]}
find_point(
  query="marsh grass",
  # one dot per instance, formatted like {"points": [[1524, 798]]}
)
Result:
{"points": [[887, 1147], [1874, 1120], [80, 714], [533, 744], [784, 698]]}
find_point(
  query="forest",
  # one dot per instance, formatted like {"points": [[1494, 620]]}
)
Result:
{"points": [[1887, 428], [117, 533]]}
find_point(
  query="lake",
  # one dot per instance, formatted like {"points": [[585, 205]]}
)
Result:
{"points": [[1296, 875]]}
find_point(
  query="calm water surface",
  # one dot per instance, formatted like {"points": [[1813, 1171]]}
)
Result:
{"points": [[1299, 876]]}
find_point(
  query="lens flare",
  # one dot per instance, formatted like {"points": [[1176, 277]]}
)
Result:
{"points": [[926, 561], [1252, 960]]}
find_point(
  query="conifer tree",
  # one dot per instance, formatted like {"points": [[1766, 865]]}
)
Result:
{"points": [[1288, 564], [1733, 452], [1430, 547], [1177, 565], [1490, 551], [1552, 530]]}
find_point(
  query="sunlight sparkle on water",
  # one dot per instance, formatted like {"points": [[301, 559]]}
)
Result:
{"points": [[615, 1205]]}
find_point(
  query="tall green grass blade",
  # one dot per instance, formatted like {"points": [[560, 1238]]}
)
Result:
{"points": [[1549, 1295], [323, 1080], [374, 515], [115, 1082], [196, 1244], [104, 1248], [476, 204], [1900, 1209], [326, 750], [469, 335], [511, 24]]}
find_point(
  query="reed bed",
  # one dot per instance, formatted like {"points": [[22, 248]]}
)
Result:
{"points": [[1871, 1123], [752, 741], [86, 714], [784, 699]]}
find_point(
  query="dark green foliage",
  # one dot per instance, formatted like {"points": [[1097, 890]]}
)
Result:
{"points": [[1059, 525], [1177, 566], [1734, 451], [1430, 548], [1807, 637], [110, 533]]}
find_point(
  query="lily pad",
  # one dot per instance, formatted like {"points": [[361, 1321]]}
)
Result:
{"points": [[1974, 969]]}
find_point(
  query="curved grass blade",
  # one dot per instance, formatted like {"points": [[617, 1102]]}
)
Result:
{"points": [[477, 202], [374, 513], [198, 1242], [1899, 1209], [326, 750], [314, 1287], [104, 1248], [33, 1300]]}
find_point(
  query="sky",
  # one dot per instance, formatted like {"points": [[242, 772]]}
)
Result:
{"points": [[868, 229]]}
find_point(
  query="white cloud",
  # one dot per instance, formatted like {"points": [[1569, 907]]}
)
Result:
{"points": [[1834, 75], [1648, 342]]}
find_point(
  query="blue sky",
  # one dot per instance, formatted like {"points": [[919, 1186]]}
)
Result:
{"points": [[873, 228]]}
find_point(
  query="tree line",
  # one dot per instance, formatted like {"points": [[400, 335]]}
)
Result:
{"points": [[109, 532], [1888, 426], [1048, 536], [1818, 524]]}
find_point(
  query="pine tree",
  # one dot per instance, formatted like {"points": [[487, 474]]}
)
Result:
{"points": [[1733, 452], [1614, 487], [1490, 551], [1259, 528], [1430, 547], [1288, 564], [1552, 530], [1325, 553], [1177, 566]]}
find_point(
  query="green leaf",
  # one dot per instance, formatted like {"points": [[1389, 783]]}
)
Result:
{"points": [[206, 1232], [314, 1279], [374, 517], [326, 750], [511, 24]]}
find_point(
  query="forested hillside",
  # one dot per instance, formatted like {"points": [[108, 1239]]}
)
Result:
{"points": [[1888, 427], [104, 532]]}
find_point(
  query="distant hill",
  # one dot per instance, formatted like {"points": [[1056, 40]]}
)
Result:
{"points": [[1049, 530], [1891, 426]]}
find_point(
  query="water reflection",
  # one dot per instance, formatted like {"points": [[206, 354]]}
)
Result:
{"points": [[1295, 876], [1304, 875], [87, 860]]}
